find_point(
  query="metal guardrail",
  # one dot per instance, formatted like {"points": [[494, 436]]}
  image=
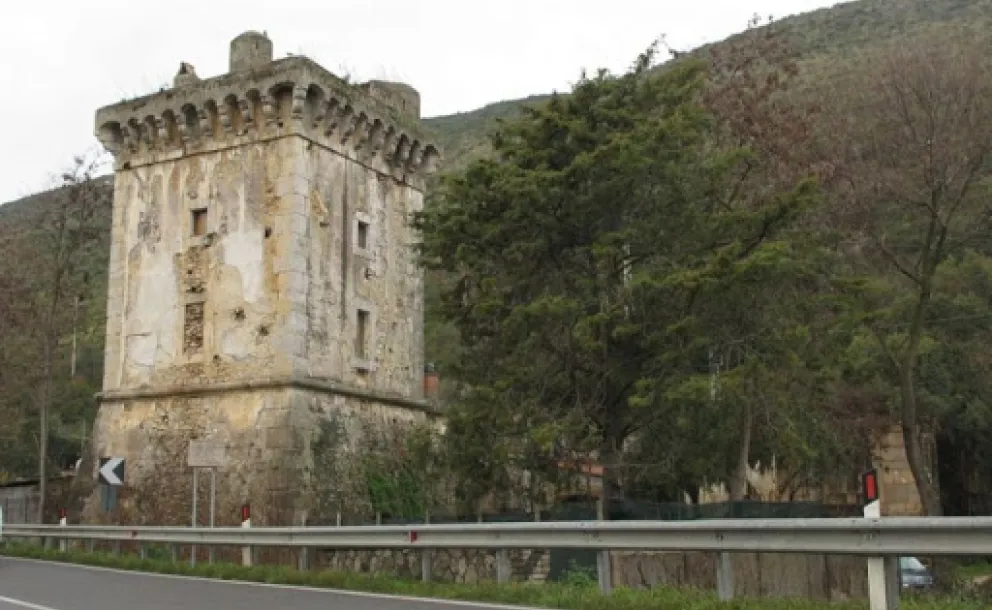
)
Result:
{"points": [[854, 536], [881, 540]]}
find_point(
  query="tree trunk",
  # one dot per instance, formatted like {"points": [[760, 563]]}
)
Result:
{"points": [[738, 483], [609, 458], [925, 485], [43, 409], [929, 493], [50, 337]]}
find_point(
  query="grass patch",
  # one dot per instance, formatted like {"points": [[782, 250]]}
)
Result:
{"points": [[579, 593]]}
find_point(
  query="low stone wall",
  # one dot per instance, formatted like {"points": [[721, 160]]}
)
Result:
{"points": [[821, 577], [447, 565]]}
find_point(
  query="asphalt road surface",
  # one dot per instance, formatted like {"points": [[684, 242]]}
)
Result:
{"points": [[36, 585]]}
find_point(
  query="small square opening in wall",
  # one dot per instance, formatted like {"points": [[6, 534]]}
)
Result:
{"points": [[363, 235], [199, 222], [361, 334]]}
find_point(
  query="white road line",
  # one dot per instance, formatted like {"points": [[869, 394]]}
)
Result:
{"points": [[326, 590], [23, 604]]}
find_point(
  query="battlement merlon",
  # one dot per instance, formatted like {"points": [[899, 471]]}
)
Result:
{"points": [[266, 100]]}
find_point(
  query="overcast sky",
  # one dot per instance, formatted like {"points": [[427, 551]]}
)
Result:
{"points": [[62, 59]]}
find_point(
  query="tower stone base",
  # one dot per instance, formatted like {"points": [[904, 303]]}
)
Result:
{"points": [[269, 433]]}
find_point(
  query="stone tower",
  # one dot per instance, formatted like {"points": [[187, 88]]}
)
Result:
{"points": [[261, 277]]}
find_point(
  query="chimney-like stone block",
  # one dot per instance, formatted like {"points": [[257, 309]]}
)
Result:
{"points": [[249, 51]]}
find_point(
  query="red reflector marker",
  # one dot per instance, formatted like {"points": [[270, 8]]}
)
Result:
{"points": [[869, 484]]}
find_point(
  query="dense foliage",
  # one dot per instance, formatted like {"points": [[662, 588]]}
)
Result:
{"points": [[682, 271]]}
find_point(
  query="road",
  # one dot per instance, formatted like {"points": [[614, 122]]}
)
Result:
{"points": [[36, 585]]}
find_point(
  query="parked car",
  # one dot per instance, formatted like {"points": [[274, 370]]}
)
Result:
{"points": [[914, 575]]}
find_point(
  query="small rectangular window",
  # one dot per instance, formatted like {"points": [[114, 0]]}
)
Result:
{"points": [[363, 235], [361, 333], [199, 222]]}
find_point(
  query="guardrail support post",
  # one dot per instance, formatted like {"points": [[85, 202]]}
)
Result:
{"points": [[304, 562], [503, 566], [175, 553], [883, 583], [603, 574], [426, 565], [426, 556], [724, 577]]}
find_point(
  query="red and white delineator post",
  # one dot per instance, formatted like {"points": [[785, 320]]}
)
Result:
{"points": [[883, 572], [246, 522], [63, 521]]}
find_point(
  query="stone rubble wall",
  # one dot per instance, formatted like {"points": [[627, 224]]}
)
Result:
{"points": [[268, 436], [820, 577], [447, 565]]}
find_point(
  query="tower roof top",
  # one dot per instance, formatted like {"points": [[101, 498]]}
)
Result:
{"points": [[260, 96]]}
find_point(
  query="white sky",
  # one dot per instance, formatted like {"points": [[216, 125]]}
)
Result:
{"points": [[62, 59]]}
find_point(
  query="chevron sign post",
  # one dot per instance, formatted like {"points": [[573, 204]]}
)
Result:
{"points": [[112, 471], [110, 476]]}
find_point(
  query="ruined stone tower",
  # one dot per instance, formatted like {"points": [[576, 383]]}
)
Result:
{"points": [[262, 278]]}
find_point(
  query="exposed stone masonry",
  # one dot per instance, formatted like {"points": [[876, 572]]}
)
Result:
{"points": [[193, 328], [447, 565], [291, 96]]}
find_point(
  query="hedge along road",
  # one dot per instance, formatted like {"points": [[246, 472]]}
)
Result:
{"points": [[28, 584]]}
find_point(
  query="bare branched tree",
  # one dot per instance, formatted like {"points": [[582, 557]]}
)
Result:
{"points": [[910, 133], [72, 222]]}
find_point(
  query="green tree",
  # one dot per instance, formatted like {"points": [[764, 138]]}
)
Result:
{"points": [[582, 253]]}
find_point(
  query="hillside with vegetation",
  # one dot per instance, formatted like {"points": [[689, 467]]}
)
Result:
{"points": [[824, 35], [822, 268]]}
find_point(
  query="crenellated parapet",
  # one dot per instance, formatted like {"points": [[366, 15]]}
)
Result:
{"points": [[292, 96]]}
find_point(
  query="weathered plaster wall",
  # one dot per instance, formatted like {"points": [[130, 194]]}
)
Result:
{"points": [[352, 206], [185, 308]]}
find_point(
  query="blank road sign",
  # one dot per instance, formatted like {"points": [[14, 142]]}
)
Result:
{"points": [[206, 454]]}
